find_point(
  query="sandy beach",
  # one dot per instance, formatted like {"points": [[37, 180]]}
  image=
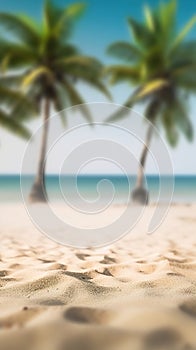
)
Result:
{"points": [[139, 293]]}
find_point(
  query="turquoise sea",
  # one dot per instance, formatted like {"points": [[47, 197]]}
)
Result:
{"points": [[90, 187]]}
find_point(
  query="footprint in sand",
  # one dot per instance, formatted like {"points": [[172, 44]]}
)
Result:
{"points": [[3, 273], [80, 276], [165, 338], [87, 315], [108, 260], [82, 256], [58, 266], [52, 302], [105, 272], [20, 318], [189, 307]]}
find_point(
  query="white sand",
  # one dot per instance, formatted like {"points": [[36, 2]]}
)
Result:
{"points": [[139, 293]]}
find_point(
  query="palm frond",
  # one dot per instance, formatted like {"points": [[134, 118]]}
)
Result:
{"points": [[25, 109], [175, 119], [167, 15], [60, 101], [172, 134], [66, 50], [122, 112], [183, 67], [57, 22], [153, 109], [51, 15], [15, 55], [120, 73], [17, 103], [138, 95], [182, 35], [68, 17], [141, 34], [151, 87], [82, 61], [9, 97], [76, 99], [20, 27], [9, 123], [35, 74], [187, 81], [181, 119], [75, 10], [185, 51], [11, 80], [124, 51], [87, 69], [149, 18]]}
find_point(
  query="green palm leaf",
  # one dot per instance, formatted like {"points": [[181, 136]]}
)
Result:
{"points": [[149, 18], [187, 81], [59, 22], [125, 51], [75, 10], [167, 15], [66, 51], [60, 103], [36, 74], [52, 14], [151, 87], [182, 120], [87, 69], [172, 134], [11, 97], [83, 62], [181, 36], [122, 112], [76, 99], [14, 55], [20, 27], [11, 80], [12, 125], [141, 34], [123, 73]]}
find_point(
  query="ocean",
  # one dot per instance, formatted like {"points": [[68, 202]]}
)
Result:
{"points": [[90, 187]]}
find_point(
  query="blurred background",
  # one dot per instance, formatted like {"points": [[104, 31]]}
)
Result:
{"points": [[101, 24]]}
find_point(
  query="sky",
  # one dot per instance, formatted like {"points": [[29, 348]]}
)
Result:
{"points": [[103, 23]]}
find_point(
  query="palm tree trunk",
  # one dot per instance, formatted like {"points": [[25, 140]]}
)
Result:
{"points": [[143, 158], [38, 191], [140, 194]]}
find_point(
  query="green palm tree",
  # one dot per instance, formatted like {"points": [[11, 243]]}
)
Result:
{"points": [[49, 65], [162, 66]]}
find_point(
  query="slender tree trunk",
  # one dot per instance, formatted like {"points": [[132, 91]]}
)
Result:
{"points": [[140, 194], [143, 158], [38, 191]]}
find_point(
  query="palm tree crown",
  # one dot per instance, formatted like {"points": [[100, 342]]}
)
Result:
{"points": [[163, 67], [47, 62]]}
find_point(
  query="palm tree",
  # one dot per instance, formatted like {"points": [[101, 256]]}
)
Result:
{"points": [[49, 65], [162, 66]]}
